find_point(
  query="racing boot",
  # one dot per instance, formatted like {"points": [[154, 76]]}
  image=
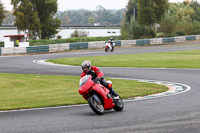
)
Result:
{"points": [[114, 94]]}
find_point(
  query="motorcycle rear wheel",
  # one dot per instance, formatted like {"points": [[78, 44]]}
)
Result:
{"points": [[98, 108], [112, 49], [119, 105]]}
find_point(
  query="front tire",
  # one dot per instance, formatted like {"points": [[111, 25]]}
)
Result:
{"points": [[96, 106], [106, 49], [119, 105]]}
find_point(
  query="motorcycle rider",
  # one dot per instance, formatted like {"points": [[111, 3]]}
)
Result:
{"points": [[97, 76], [111, 41]]}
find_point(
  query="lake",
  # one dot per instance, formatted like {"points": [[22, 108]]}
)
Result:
{"points": [[66, 33]]}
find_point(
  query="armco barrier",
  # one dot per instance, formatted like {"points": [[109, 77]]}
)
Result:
{"points": [[180, 39], [153, 41], [74, 46], [197, 37], [19, 50], [128, 42], [7, 51], [38, 49], [159, 41], [64, 47], [118, 43], [168, 40], [189, 38], [43, 48], [98, 44], [32, 49], [143, 42], [54, 47]]}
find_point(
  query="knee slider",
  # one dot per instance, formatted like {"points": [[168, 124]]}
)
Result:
{"points": [[109, 84]]}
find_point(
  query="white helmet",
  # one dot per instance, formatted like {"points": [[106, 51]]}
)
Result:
{"points": [[86, 66]]}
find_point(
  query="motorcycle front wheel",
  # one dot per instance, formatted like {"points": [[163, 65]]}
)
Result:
{"points": [[106, 49], [119, 105], [96, 104]]}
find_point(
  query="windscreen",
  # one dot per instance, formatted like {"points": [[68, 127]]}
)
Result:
{"points": [[83, 80]]}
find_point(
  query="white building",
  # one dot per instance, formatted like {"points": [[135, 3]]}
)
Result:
{"points": [[11, 41]]}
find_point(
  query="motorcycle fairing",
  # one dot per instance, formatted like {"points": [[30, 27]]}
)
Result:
{"points": [[108, 103]]}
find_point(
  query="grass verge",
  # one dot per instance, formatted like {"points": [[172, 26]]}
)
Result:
{"points": [[180, 59], [20, 91]]}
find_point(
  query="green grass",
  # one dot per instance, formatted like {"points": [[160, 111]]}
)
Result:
{"points": [[20, 91], [182, 59]]}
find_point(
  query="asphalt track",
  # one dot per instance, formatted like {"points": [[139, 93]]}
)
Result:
{"points": [[171, 114]]}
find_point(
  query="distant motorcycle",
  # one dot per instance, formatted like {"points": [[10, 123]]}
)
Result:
{"points": [[109, 47], [98, 96]]}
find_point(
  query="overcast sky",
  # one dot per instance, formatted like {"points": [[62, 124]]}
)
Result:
{"points": [[85, 4]]}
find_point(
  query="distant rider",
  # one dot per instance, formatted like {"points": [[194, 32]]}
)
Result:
{"points": [[97, 75], [112, 43]]}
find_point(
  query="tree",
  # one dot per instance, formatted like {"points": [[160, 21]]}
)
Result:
{"points": [[9, 19], [2, 13], [91, 20], [196, 15], [36, 16], [26, 17], [88, 17], [168, 24], [131, 10], [182, 18], [131, 28], [130, 13], [46, 10], [151, 11]]}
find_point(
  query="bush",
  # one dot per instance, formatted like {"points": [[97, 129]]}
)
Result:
{"points": [[137, 31], [170, 35], [70, 40], [180, 32], [190, 27], [160, 35], [168, 25], [186, 26], [196, 32], [77, 33]]}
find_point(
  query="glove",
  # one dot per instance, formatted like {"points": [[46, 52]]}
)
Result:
{"points": [[97, 80]]}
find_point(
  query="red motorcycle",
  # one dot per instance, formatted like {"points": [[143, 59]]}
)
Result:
{"points": [[98, 96]]}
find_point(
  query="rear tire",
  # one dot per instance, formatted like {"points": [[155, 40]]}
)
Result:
{"points": [[112, 49], [98, 108], [119, 105]]}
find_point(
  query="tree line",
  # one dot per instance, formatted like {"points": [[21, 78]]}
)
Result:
{"points": [[88, 17], [144, 19], [140, 19], [41, 19], [81, 17]]}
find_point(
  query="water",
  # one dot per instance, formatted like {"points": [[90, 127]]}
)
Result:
{"points": [[66, 33]]}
